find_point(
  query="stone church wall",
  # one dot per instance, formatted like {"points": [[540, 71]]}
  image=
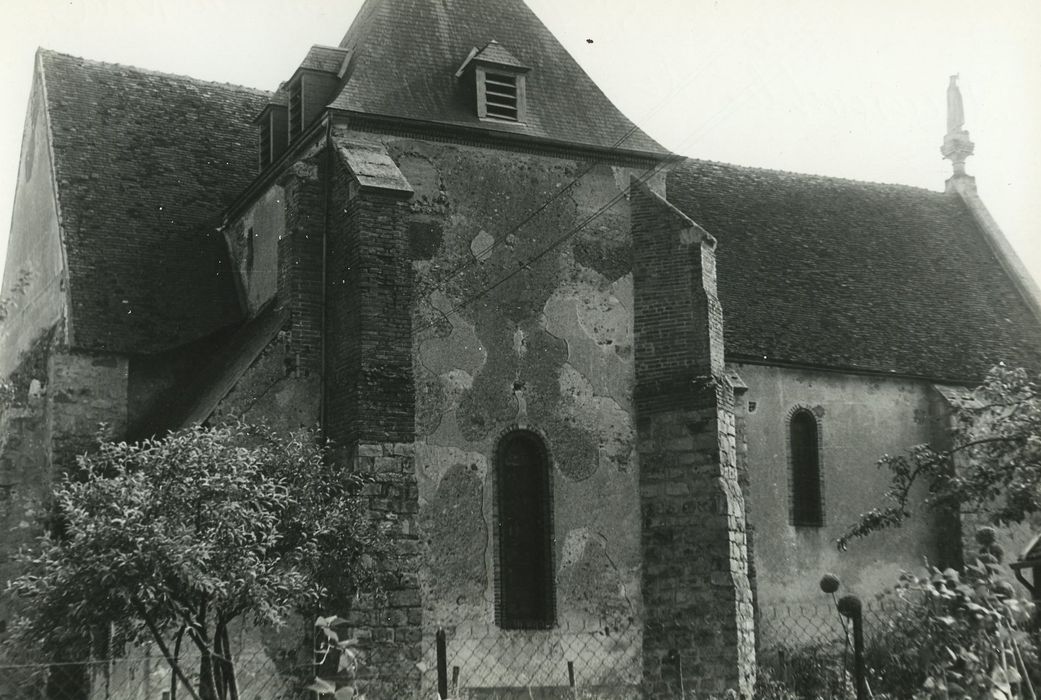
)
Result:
{"points": [[550, 350], [860, 418]]}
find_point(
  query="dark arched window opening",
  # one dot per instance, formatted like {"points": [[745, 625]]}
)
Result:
{"points": [[807, 504], [523, 498]]}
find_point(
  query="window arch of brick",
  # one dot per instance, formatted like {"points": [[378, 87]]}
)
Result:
{"points": [[806, 469], [524, 577]]}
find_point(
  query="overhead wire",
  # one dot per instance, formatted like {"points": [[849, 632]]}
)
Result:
{"points": [[622, 194], [615, 147]]}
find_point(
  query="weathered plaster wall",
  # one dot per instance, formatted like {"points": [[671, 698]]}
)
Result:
{"points": [[270, 392], [550, 349], [253, 242], [33, 272], [861, 418], [87, 399]]}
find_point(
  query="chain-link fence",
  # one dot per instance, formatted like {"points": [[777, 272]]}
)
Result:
{"points": [[808, 648], [485, 662], [149, 677]]}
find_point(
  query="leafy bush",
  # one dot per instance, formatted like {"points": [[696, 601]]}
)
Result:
{"points": [[815, 670], [174, 538]]}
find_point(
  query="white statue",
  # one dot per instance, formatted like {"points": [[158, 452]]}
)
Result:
{"points": [[955, 110]]}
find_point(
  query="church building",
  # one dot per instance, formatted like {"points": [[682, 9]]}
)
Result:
{"points": [[596, 385]]}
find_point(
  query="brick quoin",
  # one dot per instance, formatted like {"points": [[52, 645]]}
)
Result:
{"points": [[370, 395], [699, 634]]}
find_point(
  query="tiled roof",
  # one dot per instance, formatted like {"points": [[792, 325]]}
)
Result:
{"points": [[327, 59], [839, 273], [494, 52], [406, 52], [145, 164]]}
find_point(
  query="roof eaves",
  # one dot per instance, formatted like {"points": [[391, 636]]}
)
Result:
{"points": [[503, 135], [300, 143], [946, 380]]}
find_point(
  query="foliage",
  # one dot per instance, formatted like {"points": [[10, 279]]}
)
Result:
{"points": [[992, 468], [813, 670], [175, 538], [8, 302], [337, 660], [971, 634], [769, 687]]}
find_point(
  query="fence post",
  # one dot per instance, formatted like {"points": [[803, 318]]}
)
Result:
{"points": [[442, 664], [850, 606]]}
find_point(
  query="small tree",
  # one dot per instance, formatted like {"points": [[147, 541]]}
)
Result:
{"points": [[963, 634], [992, 469], [175, 538]]}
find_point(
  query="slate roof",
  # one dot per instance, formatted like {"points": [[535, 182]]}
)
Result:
{"points": [[405, 54], [145, 163], [327, 59], [845, 274], [495, 53]]}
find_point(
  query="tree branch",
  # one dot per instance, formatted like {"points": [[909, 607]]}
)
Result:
{"points": [[170, 659], [984, 441]]}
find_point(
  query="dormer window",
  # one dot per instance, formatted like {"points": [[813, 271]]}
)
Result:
{"points": [[496, 81], [313, 84], [265, 143], [296, 107], [273, 136]]}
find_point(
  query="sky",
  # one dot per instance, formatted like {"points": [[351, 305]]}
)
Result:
{"points": [[833, 87]]}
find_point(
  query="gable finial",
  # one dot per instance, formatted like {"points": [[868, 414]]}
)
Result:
{"points": [[956, 143]]}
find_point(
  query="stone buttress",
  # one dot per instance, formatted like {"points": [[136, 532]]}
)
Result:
{"points": [[699, 627]]}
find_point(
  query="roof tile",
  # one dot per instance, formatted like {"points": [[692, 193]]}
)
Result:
{"points": [[405, 54], [145, 164], [846, 274]]}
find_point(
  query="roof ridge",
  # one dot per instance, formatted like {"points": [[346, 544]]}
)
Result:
{"points": [[148, 71], [817, 176]]}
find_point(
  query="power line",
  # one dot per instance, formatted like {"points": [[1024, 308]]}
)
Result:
{"points": [[526, 264], [659, 105]]}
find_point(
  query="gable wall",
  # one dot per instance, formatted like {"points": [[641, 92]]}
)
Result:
{"points": [[34, 248]]}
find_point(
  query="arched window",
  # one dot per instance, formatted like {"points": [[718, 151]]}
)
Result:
{"points": [[526, 596], [807, 505]]}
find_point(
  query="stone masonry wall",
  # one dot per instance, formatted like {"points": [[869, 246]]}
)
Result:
{"points": [[388, 624], [24, 464], [61, 401], [699, 628]]}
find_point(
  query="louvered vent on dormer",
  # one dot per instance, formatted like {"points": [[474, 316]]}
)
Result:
{"points": [[496, 78], [500, 96]]}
